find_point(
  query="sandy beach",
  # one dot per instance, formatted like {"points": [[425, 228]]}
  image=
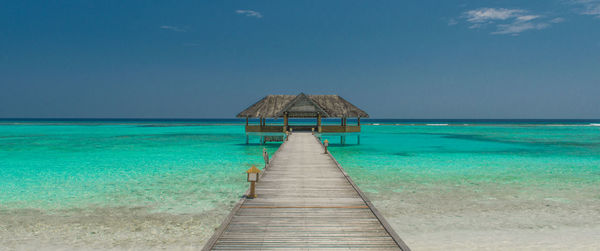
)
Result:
{"points": [[550, 226]]}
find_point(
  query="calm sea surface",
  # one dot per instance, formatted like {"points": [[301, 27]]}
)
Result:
{"points": [[197, 167]]}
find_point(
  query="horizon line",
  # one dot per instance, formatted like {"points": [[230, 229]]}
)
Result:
{"points": [[234, 118]]}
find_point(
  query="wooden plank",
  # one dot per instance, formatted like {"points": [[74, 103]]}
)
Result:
{"points": [[305, 201]]}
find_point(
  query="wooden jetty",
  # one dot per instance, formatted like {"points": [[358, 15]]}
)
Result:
{"points": [[305, 201]]}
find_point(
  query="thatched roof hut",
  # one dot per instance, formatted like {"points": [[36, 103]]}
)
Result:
{"points": [[303, 106]]}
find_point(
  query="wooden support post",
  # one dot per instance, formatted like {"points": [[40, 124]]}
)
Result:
{"points": [[358, 120], [358, 139], [266, 157], [247, 141], [252, 189], [285, 122], [246, 121], [319, 122]]}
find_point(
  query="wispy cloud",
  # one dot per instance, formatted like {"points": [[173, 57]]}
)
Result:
{"points": [[172, 28], [507, 21], [249, 13], [516, 28], [587, 7], [452, 22], [483, 15]]}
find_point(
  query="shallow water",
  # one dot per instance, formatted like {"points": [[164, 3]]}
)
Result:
{"points": [[169, 184]]}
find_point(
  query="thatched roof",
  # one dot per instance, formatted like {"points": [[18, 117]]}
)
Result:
{"points": [[301, 105]]}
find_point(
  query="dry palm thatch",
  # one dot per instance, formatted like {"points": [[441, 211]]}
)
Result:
{"points": [[301, 105]]}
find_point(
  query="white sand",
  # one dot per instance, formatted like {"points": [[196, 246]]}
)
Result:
{"points": [[566, 238], [494, 219]]}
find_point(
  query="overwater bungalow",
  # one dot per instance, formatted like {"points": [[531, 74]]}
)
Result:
{"points": [[303, 108]]}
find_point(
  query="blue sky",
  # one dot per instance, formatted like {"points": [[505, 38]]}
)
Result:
{"points": [[206, 59]]}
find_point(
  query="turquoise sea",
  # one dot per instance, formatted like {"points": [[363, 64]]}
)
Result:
{"points": [[418, 173]]}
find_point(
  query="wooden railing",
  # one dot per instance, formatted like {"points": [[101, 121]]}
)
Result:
{"points": [[257, 128], [325, 129], [330, 128]]}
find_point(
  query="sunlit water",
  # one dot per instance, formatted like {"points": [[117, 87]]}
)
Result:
{"points": [[171, 183]]}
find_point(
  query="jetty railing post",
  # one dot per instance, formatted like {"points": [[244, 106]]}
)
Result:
{"points": [[266, 157]]}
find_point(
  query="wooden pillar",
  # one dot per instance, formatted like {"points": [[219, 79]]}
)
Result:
{"points": [[252, 189], [246, 121], [358, 120], [319, 122], [285, 122], [358, 139]]}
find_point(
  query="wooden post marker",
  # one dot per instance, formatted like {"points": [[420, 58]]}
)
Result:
{"points": [[266, 157], [326, 144], [253, 178], [313, 130]]}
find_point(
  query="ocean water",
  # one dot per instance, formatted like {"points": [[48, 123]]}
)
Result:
{"points": [[164, 167], [164, 183]]}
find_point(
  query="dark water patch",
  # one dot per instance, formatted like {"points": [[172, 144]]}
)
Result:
{"points": [[529, 142], [569, 143], [204, 136], [476, 137], [404, 154], [184, 125]]}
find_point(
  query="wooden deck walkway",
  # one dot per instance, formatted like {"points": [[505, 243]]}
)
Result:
{"points": [[305, 201]]}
